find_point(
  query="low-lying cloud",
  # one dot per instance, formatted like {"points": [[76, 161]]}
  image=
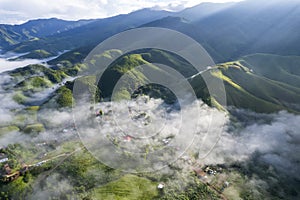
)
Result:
{"points": [[54, 186], [6, 65], [273, 137], [276, 141]]}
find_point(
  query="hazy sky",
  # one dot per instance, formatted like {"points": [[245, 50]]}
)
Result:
{"points": [[18, 11]]}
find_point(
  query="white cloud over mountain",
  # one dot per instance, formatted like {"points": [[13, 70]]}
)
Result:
{"points": [[18, 11]]}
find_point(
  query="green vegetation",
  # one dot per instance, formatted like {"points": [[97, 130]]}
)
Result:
{"points": [[282, 69], [240, 97], [272, 92], [117, 69], [258, 92], [71, 58], [8, 129], [55, 76], [18, 188], [33, 108], [34, 84], [15, 190], [260, 82], [122, 94], [19, 97], [25, 88], [84, 171], [34, 128], [244, 88], [8, 37], [32, 79], [169, 59], [129, 187], [252, 82], [129, 65], [24, 117], [195, 190], [64, 97], [36, 54]]}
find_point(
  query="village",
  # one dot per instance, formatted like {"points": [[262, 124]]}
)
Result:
{"points": [[214, 176], [49, 152], [9, 173], [13, 165], [10, 168]]}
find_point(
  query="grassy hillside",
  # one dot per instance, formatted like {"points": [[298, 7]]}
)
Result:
{"points": [[260, 82], [250, 90], [284, 69], [129, 187], [33, 70], [120, 67], [36, 54], [253, 82]]}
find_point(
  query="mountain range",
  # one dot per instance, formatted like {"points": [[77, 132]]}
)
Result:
{"points": [[255, 47], [244, 148]]}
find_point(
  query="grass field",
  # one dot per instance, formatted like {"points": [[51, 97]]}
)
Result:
{"points": [[129, 187]]}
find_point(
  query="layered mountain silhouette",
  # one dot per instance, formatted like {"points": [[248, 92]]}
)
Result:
{"points": [[255, 45]]}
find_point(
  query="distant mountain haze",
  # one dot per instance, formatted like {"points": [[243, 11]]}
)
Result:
{"points": [[227, 31], [31, 30], [255, 43]]}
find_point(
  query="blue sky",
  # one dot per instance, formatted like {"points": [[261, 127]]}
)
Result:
{"points": [[18, 11]]}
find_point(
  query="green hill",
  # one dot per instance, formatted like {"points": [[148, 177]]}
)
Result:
{"points": [[128, 187], [259, 86], [252, 82], [260, 82], [284, 69]]}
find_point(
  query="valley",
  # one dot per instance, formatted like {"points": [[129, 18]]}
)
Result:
{"points": [[71, 130]]}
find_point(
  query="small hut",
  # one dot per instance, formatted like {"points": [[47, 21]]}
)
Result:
{"points": [[161, 186]]}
